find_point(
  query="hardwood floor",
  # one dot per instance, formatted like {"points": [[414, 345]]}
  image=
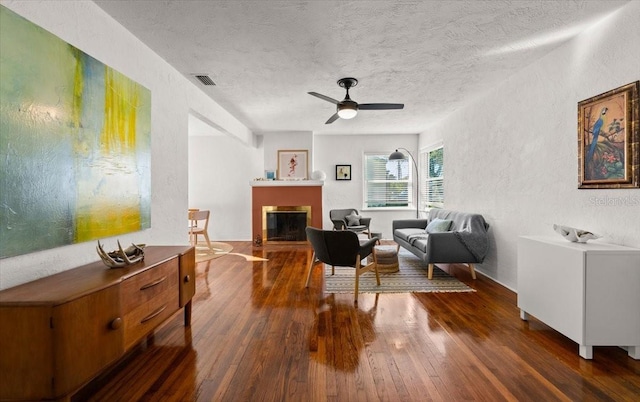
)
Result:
{"points": [[258, 334]]}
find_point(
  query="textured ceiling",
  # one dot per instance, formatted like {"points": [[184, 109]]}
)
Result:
{"points": [[433, 56]]}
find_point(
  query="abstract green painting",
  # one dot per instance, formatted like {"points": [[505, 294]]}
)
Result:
{"points": [[75, 143]]}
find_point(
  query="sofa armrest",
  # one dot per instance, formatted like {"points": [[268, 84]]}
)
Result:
{"points": [[409, 223], [365, 221]]}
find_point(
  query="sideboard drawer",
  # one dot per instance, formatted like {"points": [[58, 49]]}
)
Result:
{"points": [[145, 317], [145, 286], [148, 299]]}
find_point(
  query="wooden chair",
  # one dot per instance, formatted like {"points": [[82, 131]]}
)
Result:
{"points": [[198, 225], [344, 249]]}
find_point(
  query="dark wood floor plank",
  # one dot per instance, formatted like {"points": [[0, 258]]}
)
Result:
{"points": [[258, 334]]}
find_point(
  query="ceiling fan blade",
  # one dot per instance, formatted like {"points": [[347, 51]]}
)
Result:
{"points": [[380, 106], [332, 118], [335, 102]]}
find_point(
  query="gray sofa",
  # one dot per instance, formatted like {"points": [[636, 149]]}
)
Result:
{"points": [[445, 237]]}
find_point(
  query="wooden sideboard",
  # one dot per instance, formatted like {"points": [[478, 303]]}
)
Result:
{"points": [[59, 332]]}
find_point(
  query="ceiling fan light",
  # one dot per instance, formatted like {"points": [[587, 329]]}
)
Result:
{"points": [[347, 113], [347, 110]]}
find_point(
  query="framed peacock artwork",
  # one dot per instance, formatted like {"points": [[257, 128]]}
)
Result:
{"points": [[608, 139]]}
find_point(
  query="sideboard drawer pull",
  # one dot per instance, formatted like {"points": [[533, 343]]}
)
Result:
{"points": [[116, 323], [154, 314], [154, 283]]}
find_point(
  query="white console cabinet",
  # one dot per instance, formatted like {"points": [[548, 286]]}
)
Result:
{"points": [[589, 292]]}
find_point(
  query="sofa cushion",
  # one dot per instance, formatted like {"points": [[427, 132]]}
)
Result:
{"points": [[353, 219], [406, 233], [420, 242], [439, 225]]}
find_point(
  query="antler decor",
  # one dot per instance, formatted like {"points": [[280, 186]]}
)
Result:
{"points": [[121, 258]]}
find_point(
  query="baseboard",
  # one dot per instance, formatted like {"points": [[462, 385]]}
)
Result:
{"points": [[495, 280]]}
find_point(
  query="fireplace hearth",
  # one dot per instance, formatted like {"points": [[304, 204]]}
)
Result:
{"points": [[285, 223]]}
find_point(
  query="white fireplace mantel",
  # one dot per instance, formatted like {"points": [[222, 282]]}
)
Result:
{"points": [[285, 183]]}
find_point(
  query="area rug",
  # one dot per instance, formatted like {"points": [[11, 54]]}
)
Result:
{"points": [[412, 277], [218, 249]]}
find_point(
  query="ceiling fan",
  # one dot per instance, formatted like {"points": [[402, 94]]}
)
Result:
{"points": [[347, 109]]}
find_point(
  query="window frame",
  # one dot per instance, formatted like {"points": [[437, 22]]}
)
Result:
{"points": [[365, 184], [426, 178]]}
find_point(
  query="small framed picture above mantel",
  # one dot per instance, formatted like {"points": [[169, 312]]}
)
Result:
{"points": [[293, 164], [343, 172]]}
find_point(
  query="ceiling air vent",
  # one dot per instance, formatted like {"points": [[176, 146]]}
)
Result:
{"points": [[204, 79]]}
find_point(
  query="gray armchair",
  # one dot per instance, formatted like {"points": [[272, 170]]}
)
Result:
{"points": [[344, 249], [350, 219]]}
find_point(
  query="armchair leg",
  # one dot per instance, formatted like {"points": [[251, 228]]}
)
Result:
{"points": [[313, 261], [430, 273], [472, 269], [375, 267], [357, 280]]}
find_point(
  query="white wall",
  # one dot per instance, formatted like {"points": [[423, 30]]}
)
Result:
{"points": [[272, 142], [332, 150], [220, 169], [86, 26], [512, 155]]}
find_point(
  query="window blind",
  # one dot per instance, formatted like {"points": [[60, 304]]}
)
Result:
{"points": [[432, 178], [387, 183]]}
